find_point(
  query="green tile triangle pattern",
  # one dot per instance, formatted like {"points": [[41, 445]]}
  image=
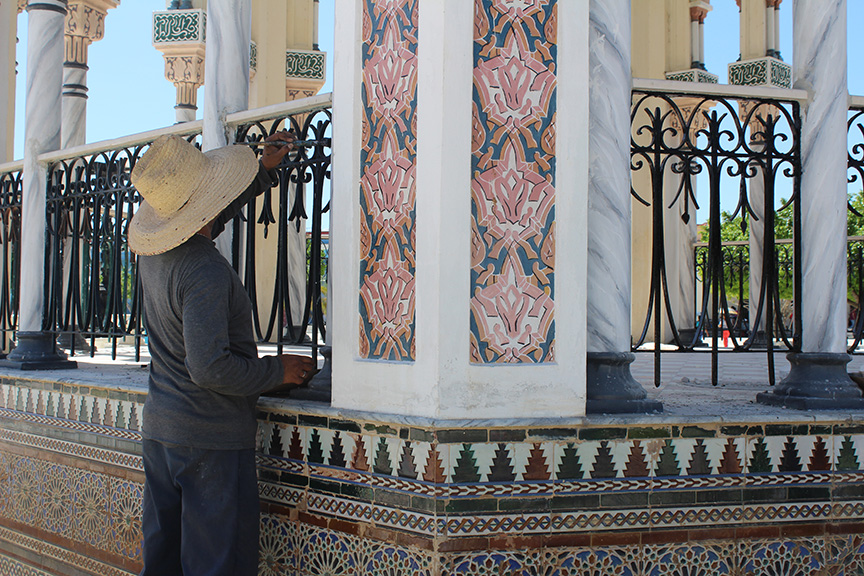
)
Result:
{"points": [[789, 461], [466, 466], [502, 468], [668, 463], [316, 451], [570, 468], [382, 458], [604, 467], [847, 459], [760, 462]]}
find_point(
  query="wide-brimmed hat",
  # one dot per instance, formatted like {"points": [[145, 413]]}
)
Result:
{"points": [[183, 190]]}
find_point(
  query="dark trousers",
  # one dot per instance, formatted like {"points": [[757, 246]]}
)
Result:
{"points": [[200, 514]]}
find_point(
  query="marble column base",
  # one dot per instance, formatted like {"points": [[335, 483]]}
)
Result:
{"points": [[319, 387], [611, 387], [816, 381], [37, 351], [760, 341], [687, 335]]}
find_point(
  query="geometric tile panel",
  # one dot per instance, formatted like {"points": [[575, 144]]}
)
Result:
{"points": [[72, 505]]}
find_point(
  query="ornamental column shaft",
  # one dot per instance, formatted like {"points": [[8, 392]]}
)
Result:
{"points": [[41, 135], [8, 40], [459, 216], [85, 24], [611, 388], [818, 377], [229, 36]]}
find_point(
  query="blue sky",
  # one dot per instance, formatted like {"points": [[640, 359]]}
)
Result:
{"points": [[129, 93]]}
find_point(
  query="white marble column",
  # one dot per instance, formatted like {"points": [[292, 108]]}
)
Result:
{"points": [[610, 385], [229, 36], [820, 68], [8, 28], [41, 134], [609, 187], [818, 378], [36, 348], [756, 226]]}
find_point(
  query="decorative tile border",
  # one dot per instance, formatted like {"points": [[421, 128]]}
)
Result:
{"points": [[766, 71], [173, 26], [305, 64], [693, 75]]}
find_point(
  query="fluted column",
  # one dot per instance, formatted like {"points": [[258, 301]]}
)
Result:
{"points": [[611, 388], [229, 36], [818, 377], [35, 348]]}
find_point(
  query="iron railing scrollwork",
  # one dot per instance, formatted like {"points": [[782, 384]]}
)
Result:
{"points": [[10, 254], [91, 284], [854, 262], [688, 150], [292, 308]]}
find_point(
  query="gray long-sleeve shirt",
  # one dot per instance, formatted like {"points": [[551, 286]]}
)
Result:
{"points": [[205, 373]]}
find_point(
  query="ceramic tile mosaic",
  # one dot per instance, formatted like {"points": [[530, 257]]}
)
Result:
{"points": [[388, 179], [355, 496], [513, 182]]}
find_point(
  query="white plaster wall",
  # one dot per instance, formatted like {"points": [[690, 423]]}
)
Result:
{"points": [[442, 382]]}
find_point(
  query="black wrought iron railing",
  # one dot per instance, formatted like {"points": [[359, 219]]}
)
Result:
{"points": [[855, 226], [296, 300], [716, 167], [10, 252], [91, 285]]}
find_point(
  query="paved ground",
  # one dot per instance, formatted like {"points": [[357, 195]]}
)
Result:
{"points": [[686, 391]]}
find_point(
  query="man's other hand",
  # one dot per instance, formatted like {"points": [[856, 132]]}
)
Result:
{"points": [[283, 142]]}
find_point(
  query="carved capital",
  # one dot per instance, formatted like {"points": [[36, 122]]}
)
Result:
{"points": [[86, 18], [185, 69], [76, 49], [699, 9]]}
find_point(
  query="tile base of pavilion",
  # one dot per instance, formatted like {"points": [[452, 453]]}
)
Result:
{"points": [[357, 493]]}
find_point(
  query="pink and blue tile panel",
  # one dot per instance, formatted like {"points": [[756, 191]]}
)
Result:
{"points": [[388, 179], [513, 182]]}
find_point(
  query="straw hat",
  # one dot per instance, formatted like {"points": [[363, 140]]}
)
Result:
{"points": [[183, 190]]}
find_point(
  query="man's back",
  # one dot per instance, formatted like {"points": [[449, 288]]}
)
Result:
{"points": [[205, 376]]}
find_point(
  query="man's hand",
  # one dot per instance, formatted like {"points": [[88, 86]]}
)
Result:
{"points": [[283, 142], [297, 371]]}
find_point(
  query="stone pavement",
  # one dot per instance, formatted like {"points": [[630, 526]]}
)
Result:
{"points": [[686, 390]]}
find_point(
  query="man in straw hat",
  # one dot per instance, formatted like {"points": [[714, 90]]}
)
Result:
{"points": [[201, 505]]}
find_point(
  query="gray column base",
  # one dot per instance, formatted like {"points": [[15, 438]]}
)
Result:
{"points": [[66, 339], [319, 387], [687, 335], [611, 387], [760, 341], [816, 381], [37, 351]]}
